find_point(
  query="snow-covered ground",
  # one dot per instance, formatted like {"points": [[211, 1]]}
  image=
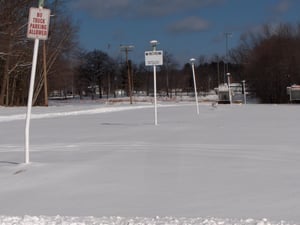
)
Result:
{"points": [[109, 164]]}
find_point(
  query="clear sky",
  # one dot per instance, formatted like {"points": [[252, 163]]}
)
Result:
{"points": [[184, 28]]}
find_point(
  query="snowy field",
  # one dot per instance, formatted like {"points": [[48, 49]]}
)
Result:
{"points": [[109, 164]]}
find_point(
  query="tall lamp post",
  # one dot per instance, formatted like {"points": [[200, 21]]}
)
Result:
{"points": [[126, 49], [192, 60], [229, 89]]}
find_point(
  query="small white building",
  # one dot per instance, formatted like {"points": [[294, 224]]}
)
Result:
{"points": [[294, 93], [223, 93]]}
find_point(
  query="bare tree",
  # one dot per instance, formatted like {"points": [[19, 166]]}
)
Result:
{"points": [[270, 61], [16, 49], [167, 73], [60, 47], [13, 45]]}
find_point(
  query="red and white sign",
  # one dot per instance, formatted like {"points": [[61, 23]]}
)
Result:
{"points": [[38, 23]]}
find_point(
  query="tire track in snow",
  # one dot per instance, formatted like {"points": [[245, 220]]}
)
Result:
{"points": [[253, 152]]}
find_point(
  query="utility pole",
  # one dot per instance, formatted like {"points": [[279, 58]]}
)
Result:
{"points": [[126, 49], [45, 73]]}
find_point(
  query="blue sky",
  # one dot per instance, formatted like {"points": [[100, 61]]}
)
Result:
{"points": [[184, 28]]}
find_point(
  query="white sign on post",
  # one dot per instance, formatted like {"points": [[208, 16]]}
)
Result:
{"points": [[38, 29], [38, 23], [154, 58]]}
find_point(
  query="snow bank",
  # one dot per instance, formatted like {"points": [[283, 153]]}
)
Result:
{"points": [[41, 220], [42, 115], [231, 161]]}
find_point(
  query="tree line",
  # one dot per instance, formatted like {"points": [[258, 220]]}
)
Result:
{"points": [[268, 60], [98, 69]]}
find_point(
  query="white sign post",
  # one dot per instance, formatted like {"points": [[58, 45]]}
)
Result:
{"points": [[229, 89], [154, 58], [244, 89], [38, 29]]}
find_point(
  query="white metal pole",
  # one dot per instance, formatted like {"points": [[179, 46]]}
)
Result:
{"points": [[155, 101], [154, 44], [229, 89], [195, 87], [244, 88], [30, 96]]}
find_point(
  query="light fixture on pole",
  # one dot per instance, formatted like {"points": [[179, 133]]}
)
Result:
{"points": [[192, 60], [154, 44], [229, 89]]}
